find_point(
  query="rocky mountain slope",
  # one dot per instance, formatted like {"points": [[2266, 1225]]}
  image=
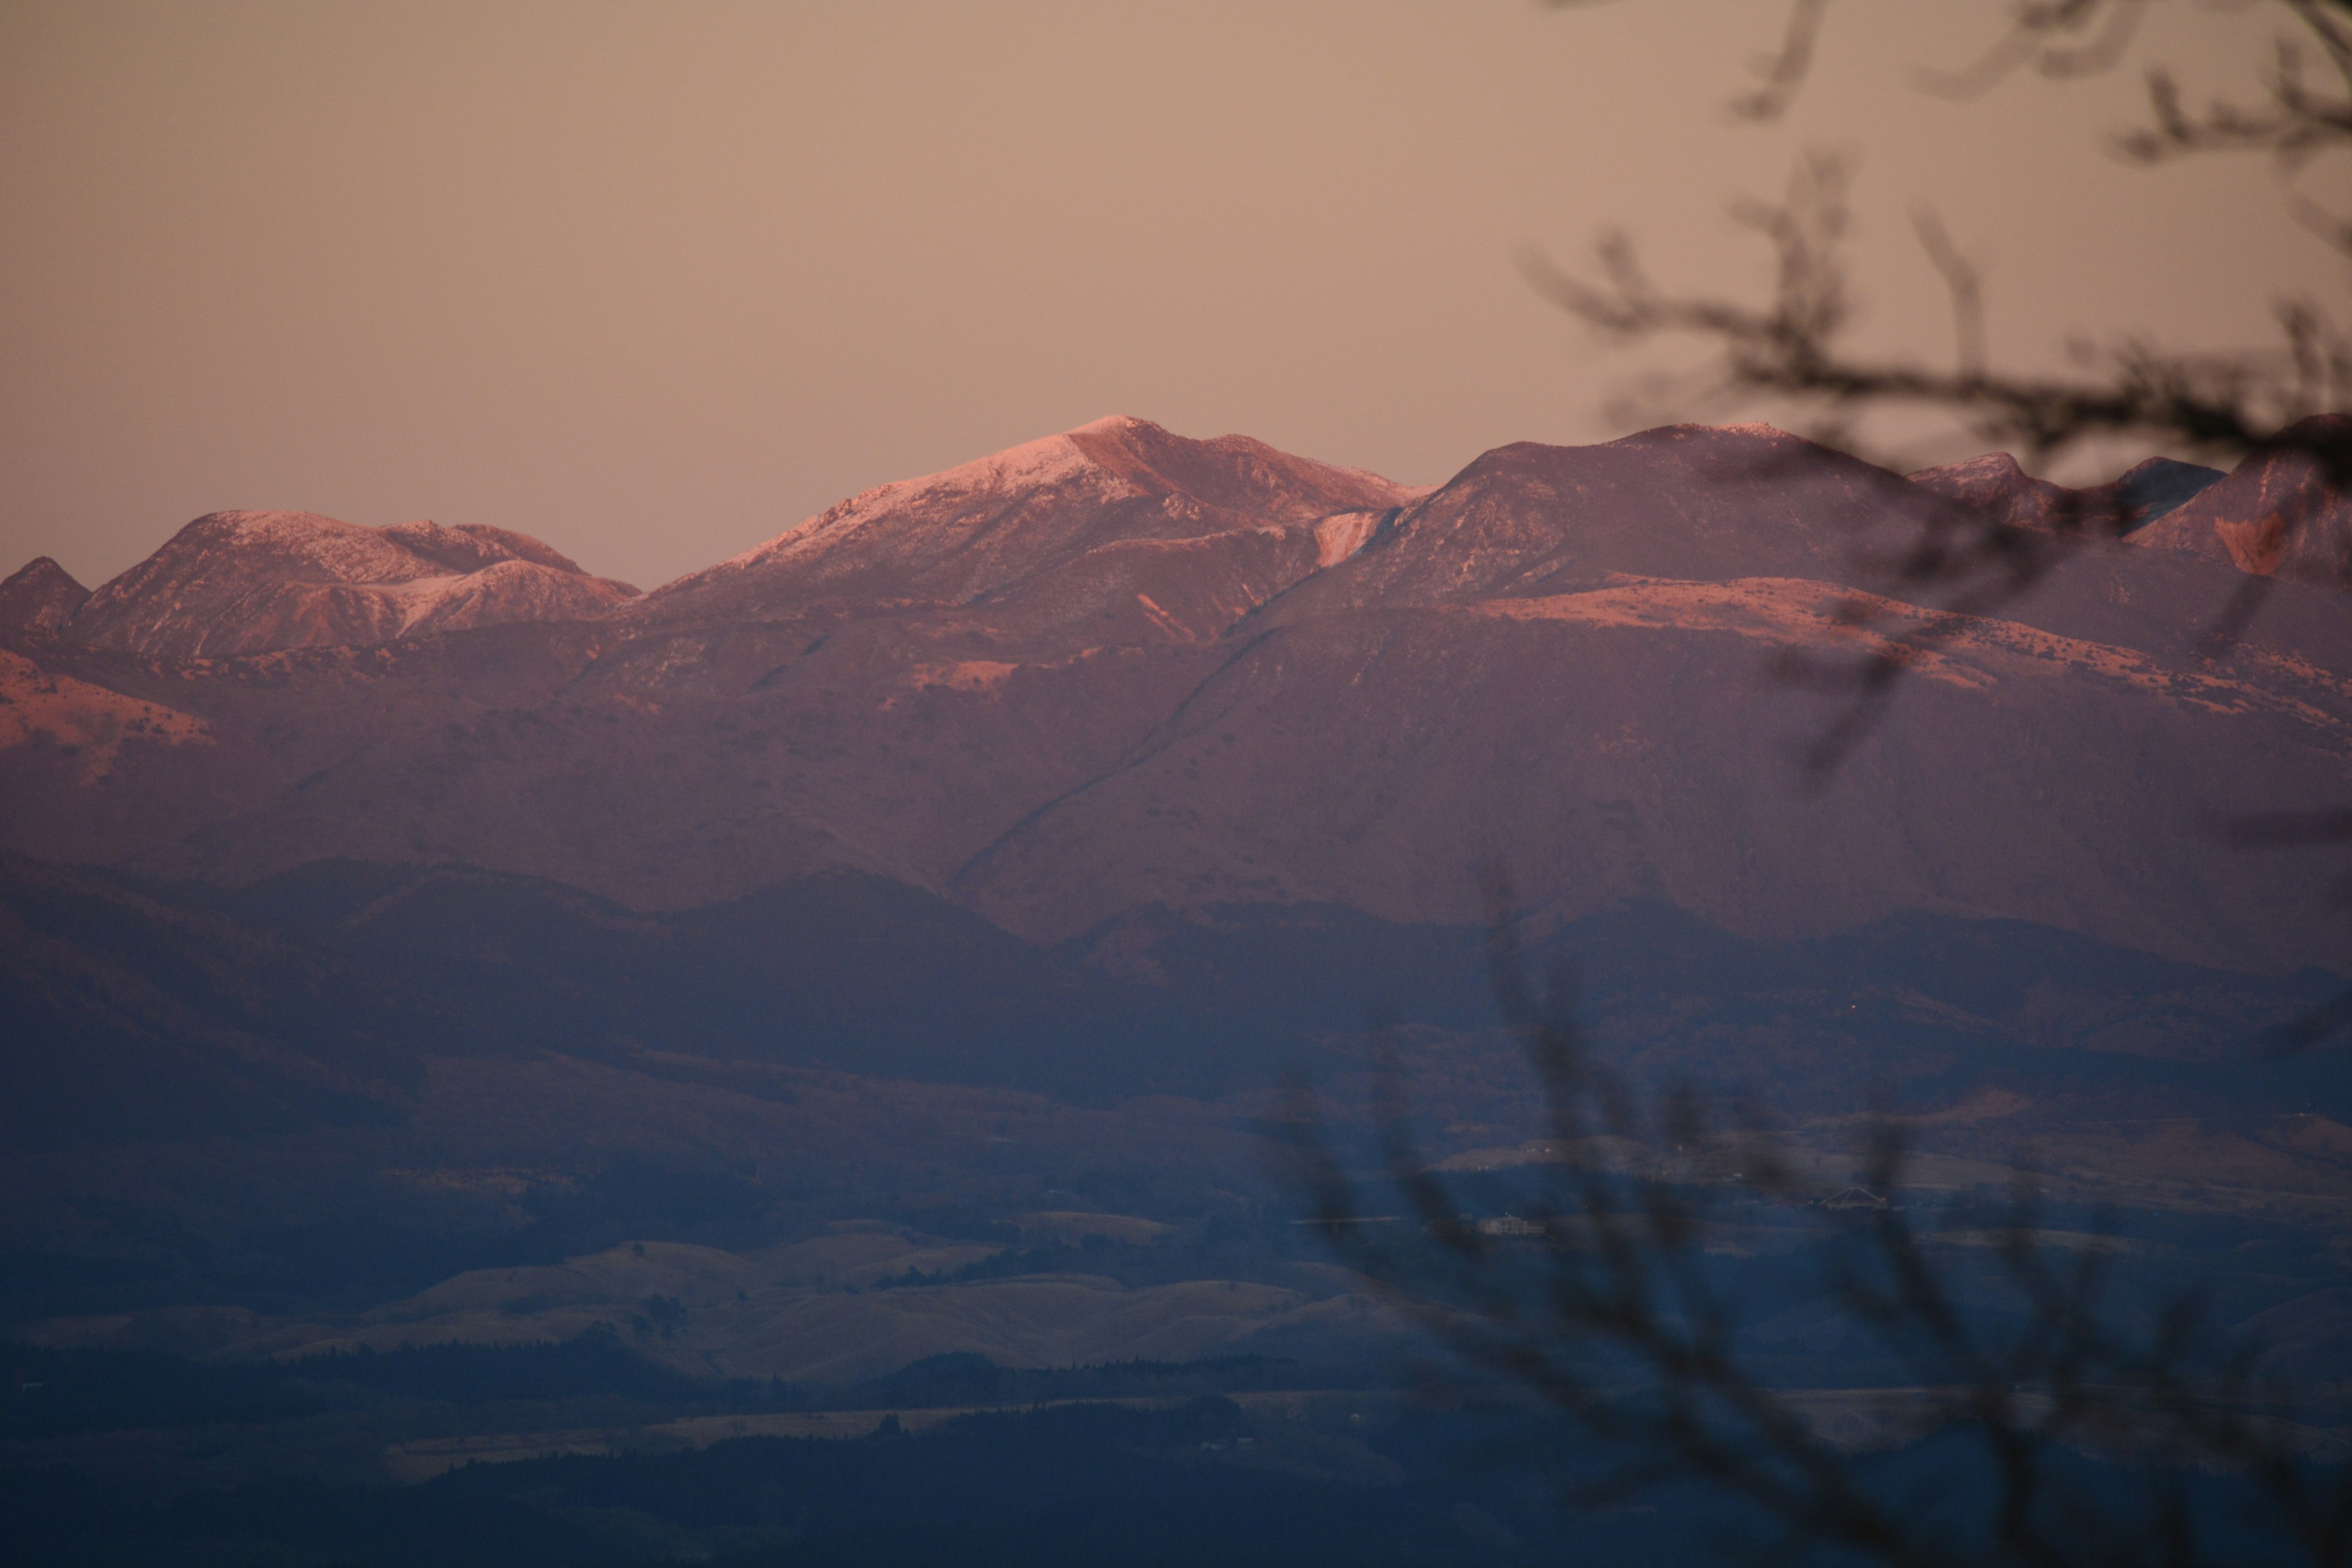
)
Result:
{"points": [[41, 596], [1117, 672]]}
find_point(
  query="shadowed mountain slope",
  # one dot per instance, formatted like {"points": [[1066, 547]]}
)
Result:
{"points": [[336, 1087], [1995, 485], [320, 997], [2274, 516]]}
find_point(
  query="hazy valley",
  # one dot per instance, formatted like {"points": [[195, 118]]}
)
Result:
{"points": [[893, 943]]}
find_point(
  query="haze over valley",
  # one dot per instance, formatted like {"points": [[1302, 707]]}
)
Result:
{"points": [[858, 979]]}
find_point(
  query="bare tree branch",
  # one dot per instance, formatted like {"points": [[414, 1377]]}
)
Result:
{"points": [[1966, 291], [1966, 563], [1781, 74], [1609, 1316]]}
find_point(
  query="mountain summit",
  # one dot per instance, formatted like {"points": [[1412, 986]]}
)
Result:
{"points": [[1061, 510], [41, 596], [236, 583]]}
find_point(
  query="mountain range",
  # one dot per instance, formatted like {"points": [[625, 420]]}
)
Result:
{"points": [[892, 941], [1116, 675]]}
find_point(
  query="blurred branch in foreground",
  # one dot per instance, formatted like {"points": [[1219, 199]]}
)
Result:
{"points": [[2278, 402], [1794, 346], [1598, 1298]]}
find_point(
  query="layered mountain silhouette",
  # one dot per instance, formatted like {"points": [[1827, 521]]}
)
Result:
{"points": [[2276, 516], [1995, 485], [1116, 675]]}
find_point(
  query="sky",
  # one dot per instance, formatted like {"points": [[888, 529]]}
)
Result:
{"points": [[654, 282]]}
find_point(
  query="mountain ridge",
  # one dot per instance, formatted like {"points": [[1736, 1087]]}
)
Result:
{"points": [[1117, 669], [2275, 515], [233, 583], [982, 529]]}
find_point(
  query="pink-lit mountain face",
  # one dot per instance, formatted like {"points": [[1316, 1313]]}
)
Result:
{"points": [[1074, 524], [1118, 670], [253, 582]]}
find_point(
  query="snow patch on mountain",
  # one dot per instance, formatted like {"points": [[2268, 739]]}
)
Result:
{"points": [[979, 530], [251, 581], [1341, 536], [1053, 460], [1965, 650]]}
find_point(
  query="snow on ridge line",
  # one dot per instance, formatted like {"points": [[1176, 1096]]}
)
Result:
{"points": [[1044, 461], [251, 580], [330, 550]]}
